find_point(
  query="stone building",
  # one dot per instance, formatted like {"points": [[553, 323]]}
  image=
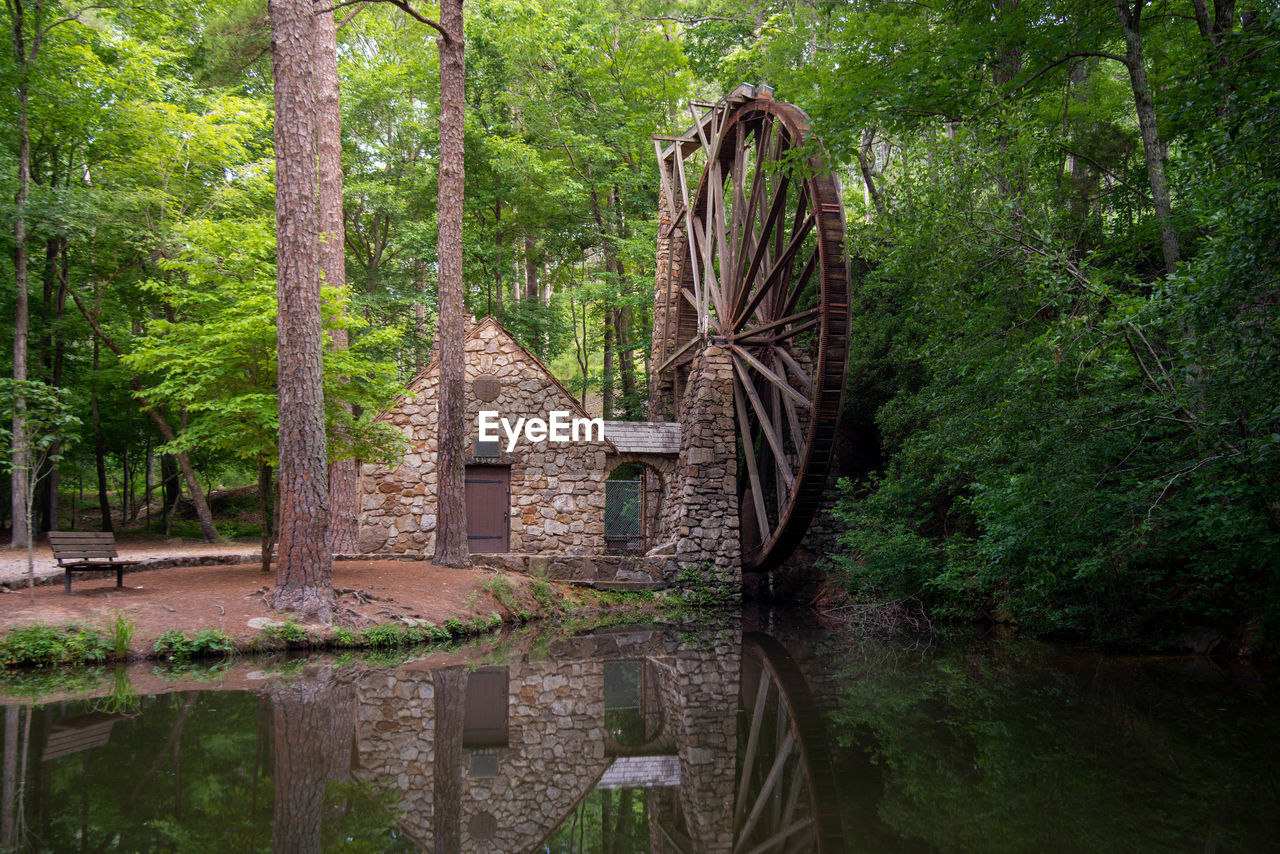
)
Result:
{"points": [[528, 494]]}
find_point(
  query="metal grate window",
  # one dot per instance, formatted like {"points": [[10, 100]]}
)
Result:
{"points": [[623, 514]]}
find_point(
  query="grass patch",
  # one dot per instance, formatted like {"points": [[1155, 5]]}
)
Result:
{"points": [[121, 632]]}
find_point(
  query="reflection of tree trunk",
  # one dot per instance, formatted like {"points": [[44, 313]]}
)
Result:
{"points": [[624, 830], [9, 790], [451, 702], [170, 747], [313, 722]]}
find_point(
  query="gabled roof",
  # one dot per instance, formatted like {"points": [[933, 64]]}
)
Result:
{"points": [[474, 333]]}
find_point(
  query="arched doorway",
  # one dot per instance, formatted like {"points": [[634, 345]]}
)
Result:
{"points": [[632, 504]]}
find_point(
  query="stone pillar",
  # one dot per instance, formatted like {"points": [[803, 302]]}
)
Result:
{"points": [[665, 303], [703, 518]]}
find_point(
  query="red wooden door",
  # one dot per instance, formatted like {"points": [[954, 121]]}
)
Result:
{"points": [[488, 503]]}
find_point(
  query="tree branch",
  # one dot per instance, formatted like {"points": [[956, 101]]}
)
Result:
{"points": [[1122, 182], [402, 5]]}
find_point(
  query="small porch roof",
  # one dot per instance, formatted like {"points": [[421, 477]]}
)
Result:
{"points": [[643, 437]]}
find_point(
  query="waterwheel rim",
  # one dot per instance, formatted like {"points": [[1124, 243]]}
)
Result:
{"points": [[764, 274]]}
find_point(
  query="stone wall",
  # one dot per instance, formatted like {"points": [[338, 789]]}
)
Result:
{"points": [[702, 517], [557, 490]]}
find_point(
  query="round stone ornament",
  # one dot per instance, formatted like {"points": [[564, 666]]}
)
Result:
{"points": [[486, 387]]}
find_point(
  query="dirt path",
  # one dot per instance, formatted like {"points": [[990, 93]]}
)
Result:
{"points": [[228, 597], [13, 562]]}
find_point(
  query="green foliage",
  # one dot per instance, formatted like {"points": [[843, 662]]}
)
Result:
{"points": [[38, 645], [550, 600], [176, 645], [501, 589], [286, 634], [700, 591], [121, 631]]}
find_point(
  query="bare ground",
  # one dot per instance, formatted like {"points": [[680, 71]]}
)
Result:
{"points": [[228, 597]]}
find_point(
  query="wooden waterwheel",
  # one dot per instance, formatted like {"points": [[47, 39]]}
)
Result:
{"points": [[761, 270]]}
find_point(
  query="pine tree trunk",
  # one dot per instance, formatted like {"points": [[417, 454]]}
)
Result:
{"points": [[531, 267], [266, 511], [499, 240], [606, 380], [344, 474], [451, 528], [99, 453], [21, 321], [303, 571], [1152, 150]]}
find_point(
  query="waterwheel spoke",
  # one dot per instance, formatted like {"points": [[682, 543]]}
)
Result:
{"points": [[806, 275], [797, 371], [766, 426], [766, 372], [766, 791], [783, 262], [753, 470], [747, 230], [782, 836], [793, 420], [748, 761], [757, 332]]}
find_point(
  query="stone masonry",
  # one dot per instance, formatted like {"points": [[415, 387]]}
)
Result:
{"points": [[557, 490], [702, 519]]}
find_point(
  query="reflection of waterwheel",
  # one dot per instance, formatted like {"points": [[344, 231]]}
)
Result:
{"points": [[763, 272], [785, 793]]}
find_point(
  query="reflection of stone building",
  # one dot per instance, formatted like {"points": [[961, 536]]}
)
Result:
{"points": [[536, 737]]}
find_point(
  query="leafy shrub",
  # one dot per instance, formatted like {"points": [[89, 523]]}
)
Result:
{"points": [[287, 634], [179, 646], [42, 646]]}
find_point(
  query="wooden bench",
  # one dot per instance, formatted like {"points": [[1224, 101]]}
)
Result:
{"points": [[87, 551]]}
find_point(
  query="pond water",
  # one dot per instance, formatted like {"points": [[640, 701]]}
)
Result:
{"points": [[753, 734]]}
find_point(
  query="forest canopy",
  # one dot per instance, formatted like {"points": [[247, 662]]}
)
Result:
{"points": [[1063, 399]]}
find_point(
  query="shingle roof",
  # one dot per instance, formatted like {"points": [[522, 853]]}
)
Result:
{"points": [[643, 437]]}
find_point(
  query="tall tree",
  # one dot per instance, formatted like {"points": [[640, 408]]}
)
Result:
{"points": [[26, 47], [303, 573], [451, 527], [343, 472]]}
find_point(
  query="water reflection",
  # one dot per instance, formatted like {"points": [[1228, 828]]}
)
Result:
{"points": [[654, 739]]}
